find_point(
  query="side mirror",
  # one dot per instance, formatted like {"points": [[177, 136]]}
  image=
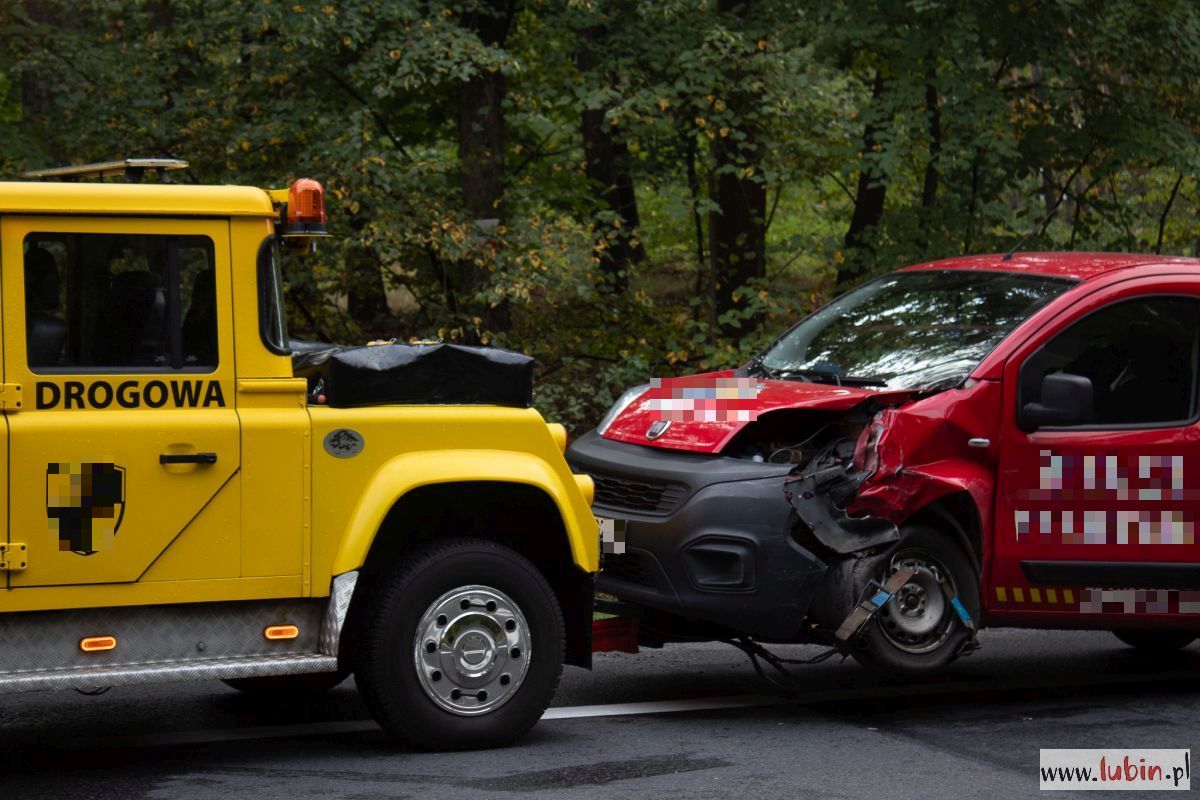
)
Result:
{"points": [[1066, 400]]}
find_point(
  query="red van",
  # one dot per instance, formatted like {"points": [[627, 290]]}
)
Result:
{"points": [[980, 441]]}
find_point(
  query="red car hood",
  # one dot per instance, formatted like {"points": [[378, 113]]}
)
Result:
{"points": [[706, 411]]}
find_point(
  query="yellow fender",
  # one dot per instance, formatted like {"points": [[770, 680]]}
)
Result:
{"points": [[412, 470]]}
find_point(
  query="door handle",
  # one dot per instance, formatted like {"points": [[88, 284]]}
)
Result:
{"points": [[187, 458]]}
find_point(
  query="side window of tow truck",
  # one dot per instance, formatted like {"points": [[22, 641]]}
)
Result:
{"points": [[119, 302]]}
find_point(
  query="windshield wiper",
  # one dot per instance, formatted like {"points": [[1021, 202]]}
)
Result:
{"points": [[864, 380], [757, 367], [828, 376]]}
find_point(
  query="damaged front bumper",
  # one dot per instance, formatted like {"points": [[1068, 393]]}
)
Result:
{"points": [[813, 492], [706, 537]]}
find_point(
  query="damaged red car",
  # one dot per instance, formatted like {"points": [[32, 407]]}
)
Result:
{"points": [[980, 441]]}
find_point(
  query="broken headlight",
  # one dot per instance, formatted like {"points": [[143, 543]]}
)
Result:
{"points": [[622, 403], [866, 449]]}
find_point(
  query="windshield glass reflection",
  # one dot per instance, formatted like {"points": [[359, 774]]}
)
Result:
{"points": [[910, 330]]}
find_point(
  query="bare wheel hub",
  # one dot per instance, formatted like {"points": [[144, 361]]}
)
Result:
{"points": [[917, 619], [472, 650]]}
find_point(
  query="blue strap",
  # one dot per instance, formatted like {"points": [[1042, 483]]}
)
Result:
{"points": [[961, 610], [880, 598]]}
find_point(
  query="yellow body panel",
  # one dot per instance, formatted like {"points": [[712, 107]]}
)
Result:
{"points": [[164, 507], [276, 515], [406, 447], [166, 200], [150, 593], [275, 465], [211, 550]]}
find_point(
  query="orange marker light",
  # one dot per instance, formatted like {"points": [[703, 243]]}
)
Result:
{"points": [[306, 203], [97, 644], [277, 632]]}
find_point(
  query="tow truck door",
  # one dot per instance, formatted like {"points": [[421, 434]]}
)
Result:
{"points": [[124, 456], [7, 398], [1098, 518]]}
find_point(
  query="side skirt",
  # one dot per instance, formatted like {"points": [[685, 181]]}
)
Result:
{"points": [[43, 650]]}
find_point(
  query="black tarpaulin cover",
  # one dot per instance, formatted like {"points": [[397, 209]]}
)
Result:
{"points": [[442, 374]]}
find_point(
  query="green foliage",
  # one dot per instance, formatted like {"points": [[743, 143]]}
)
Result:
{"points": [[975, 120]]}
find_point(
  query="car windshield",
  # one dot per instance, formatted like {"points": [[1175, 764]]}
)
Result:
{"points": [[909, 330]]}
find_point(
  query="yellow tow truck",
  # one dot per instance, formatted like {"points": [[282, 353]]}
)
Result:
{"points": [[187, 497]]}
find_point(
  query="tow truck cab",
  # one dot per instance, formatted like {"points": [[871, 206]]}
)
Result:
{"points": [[182, 504], [1019, 433]]}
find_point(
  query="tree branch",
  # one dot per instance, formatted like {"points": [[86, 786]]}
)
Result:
{"points": [[843, 186], [1162, 219], [1062, 191], [774, 206], [379, 120]]}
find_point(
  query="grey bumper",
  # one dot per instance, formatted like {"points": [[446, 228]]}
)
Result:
{"points": [[707, 537]]}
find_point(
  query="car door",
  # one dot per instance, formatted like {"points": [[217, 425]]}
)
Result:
{"points": [[1096, 509], [124, 455]]}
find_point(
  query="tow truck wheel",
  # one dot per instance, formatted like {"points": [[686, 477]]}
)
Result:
{"points": [[288, 685], [463, 647], [918, 631], [1156, 641]]}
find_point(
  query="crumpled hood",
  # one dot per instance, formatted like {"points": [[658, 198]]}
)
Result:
{"points": [[706, 411]]}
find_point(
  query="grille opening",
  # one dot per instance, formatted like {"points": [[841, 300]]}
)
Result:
{"points": [[637, 495], [628, 567]]}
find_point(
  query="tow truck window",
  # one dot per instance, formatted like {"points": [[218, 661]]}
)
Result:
{"points": [[272, 317], [119, 302], [1140, 355]]}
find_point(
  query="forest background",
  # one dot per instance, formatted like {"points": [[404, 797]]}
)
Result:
{"points": [[631, 188]]}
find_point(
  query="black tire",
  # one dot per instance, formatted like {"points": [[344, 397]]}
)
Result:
{"points": [[313, 683], [894, 641], [402, 603], [1156, 641]]}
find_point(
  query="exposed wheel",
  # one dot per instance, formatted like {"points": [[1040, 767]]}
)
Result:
{"points": [[462, 647], [1156, 641], [284, 685], [918, 631]]}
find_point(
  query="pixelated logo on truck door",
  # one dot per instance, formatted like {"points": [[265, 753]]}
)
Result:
{"points": [[85, 503]]}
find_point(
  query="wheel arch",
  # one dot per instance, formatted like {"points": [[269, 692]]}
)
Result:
{"points": [[957, 514], [954, 494], [504, 500], [411, 472]]}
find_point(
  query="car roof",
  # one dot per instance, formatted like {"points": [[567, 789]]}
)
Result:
{"points": [[1077, 266], [145, 199]]}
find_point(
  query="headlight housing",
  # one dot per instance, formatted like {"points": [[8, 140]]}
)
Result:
{"points": [[866, 449], [622, 403]]}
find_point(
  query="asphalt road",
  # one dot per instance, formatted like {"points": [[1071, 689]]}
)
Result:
{"points": [[688, 721]]}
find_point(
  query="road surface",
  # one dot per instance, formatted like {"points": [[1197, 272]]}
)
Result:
{"points": [[688, 721]]}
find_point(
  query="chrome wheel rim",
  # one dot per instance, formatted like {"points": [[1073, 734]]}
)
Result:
{"points": [[918, 618], [472, 650]]}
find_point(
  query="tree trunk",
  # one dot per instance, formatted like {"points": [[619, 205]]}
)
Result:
{"points": [[1050, 189], [1196, 244], [738, 246], [606, 163], [481, 148], [366, 295], [702, 274], [36, 101], [969, 237], [870, 195], [737, 231], [930, 185]]}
